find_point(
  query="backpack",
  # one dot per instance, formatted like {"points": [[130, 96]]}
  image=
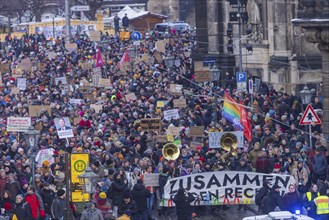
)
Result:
{"points": [[260, 195], [266, 205]]}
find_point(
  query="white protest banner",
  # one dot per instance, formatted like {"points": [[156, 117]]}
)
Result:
{"points": [[45, 155], [214, 138], [18, 123], [223, 187], [171, 114], [76, 101], [62, 79], [63, 127], [151, 179], [21, 83]]}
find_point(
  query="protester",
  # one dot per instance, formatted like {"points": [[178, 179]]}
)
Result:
{"points": [[21, 210], [107, 120], [309, 201], [91, 213], [35, 203], [273, 201], [125, 22], [183, 207], [140, 194], [58, 205], [128, 205], [292, 201]]}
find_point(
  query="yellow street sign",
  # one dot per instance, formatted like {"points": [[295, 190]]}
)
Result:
{"points": [[79, 196], [79, 162]]}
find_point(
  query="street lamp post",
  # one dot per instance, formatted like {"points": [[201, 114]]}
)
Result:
{"points": [[89, 179], [306, 96], [215, 75], [32, 138]]}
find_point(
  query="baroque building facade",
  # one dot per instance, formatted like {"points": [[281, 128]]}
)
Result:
{"points": [[280, 56]]}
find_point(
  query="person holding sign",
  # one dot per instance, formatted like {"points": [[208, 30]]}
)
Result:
{"points": [[183, 207]]}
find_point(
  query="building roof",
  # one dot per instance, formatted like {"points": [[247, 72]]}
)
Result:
{"points": [[132, 14]]}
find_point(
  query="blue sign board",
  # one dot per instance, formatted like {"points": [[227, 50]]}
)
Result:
{"points": [[136, 35], [241, 77], [209, 60]]}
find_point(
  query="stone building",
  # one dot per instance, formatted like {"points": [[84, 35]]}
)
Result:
{"points": [[280, 53]]}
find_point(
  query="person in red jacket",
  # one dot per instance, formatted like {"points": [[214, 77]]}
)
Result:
{"points": [[35, 202], [262, 162], [84, 123]]}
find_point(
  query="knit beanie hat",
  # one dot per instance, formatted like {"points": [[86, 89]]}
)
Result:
{"points": [[60, 192]]}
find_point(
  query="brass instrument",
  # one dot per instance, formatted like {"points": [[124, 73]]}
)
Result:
{"points": [[170, 151], [229, 143]]}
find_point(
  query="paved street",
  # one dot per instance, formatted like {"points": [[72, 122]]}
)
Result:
{"points": [[231, 214]]}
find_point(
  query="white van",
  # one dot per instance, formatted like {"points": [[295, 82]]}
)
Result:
{"points": [[179, 26], [282, 215]]}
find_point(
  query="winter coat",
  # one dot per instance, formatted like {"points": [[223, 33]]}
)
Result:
{"points": [[245, 168], [118, 188], [262, 164], [22, 211], [131, 206], [271, 201], [47, 197], [140, 195], [103, 205], [300, 175], [36, 204], [13, 187], [183, 206], [319, 164], [125, 21], [292, 202], [91, 214], [163, 178], [58, 208]]}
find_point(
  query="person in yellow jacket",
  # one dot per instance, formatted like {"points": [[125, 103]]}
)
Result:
{"points": [[309, 201], [322, 205]]}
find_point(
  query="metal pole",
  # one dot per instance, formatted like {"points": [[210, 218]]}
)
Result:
{"points": [[33, 169], [68, 187], [53, 28], [240, 33], [310, 134], [67, 20], [216, 104]]}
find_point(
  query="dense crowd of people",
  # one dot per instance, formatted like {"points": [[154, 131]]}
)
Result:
{"points": [[121, 152]]}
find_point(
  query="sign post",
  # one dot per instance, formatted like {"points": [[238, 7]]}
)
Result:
{"points": [[309, 118], [80, 8], [241, 81]]}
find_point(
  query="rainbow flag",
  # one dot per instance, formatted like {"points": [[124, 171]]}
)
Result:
{"points": [[231, 111]]}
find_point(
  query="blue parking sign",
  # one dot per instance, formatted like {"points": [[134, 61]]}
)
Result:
{"points": [[241, 77], [136, 35]]}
